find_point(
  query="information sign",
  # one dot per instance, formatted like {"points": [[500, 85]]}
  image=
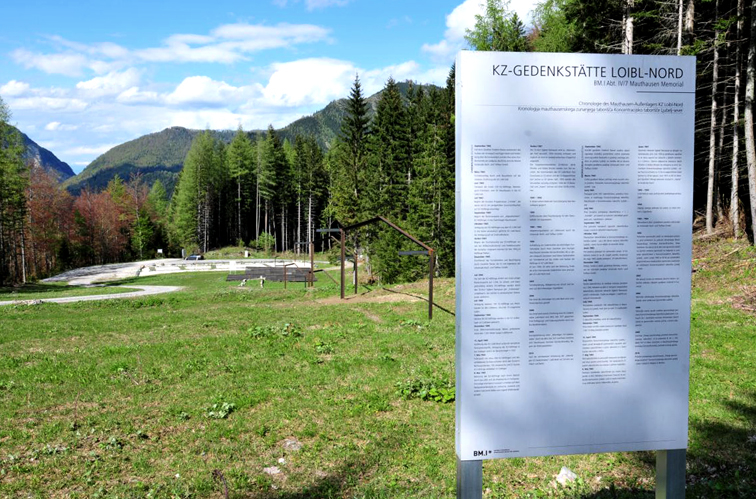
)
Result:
{"points": [[574, 205]]}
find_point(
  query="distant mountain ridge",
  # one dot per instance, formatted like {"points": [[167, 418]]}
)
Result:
{"points": [[160, 155], [34, 153]]}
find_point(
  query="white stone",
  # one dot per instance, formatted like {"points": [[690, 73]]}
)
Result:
{"points": [[566, 476], [273, 470], [292, 444]]}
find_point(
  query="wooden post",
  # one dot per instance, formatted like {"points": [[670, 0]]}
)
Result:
{"points": [[312, 264], [343, 258], [355, 272], [431, 269], [285, 268]]}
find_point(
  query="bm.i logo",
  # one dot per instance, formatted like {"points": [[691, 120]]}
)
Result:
{"points": [[481, 453]]}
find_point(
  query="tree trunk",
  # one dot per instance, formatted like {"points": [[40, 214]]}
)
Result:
{"points": [[627, 25], [690, 12], [720, 145], [238, 209], [23, 254], [749, 137], [735, 170], [713, 131], [679, 26]]}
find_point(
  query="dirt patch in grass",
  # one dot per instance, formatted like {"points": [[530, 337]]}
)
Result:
{"points": [[746, 301], [370, 297]]}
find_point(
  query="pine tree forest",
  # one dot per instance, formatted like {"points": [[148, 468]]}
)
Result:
{"points": [[397, 162]]}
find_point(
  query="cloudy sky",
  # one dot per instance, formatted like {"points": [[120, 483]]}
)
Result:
{"points": [[81, 77]]}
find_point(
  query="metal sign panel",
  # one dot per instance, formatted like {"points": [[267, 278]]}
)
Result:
{"points": [[574, 201]]}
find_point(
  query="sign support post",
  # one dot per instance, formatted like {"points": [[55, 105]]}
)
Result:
{"points": [[469, 479], [670, 474]]}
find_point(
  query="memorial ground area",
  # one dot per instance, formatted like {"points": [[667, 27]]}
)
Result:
{"points": [[269, 393]]}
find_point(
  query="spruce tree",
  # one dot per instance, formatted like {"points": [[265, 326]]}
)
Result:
{"points": [[350, 160], [13, 182], [240, 162]]}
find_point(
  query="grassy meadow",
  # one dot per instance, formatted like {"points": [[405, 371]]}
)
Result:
{"points": [[219, 391], [40, 291]]}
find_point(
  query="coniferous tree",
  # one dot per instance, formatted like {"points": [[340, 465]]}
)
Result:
{"points": [[497, 29], [350, 169], [389, 157], [13, 183], [194, 194], [240, 161], [553, 31]]}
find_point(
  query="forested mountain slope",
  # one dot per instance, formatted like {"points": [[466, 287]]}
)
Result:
{"points": [[34, 153], [160, 155]]}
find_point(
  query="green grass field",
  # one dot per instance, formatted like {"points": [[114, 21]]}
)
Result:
{"points": [[194, 394], [41, 291]]}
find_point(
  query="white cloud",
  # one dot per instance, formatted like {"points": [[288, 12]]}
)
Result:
{"points": [[524, 9], [226, 44], [458, 22], [134, 95], [104, 49], [375, 79], [202, 91], [461, 19], [289, 33], [44, 103], [308, 81], [110, 84], [89, 150], [318, 81], [179, 51], [14, 88], [216, 119], [58, 126], [230, 43], [67, 64]]}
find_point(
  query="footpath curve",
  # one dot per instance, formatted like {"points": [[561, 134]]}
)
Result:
{"points": [[144, 291]]}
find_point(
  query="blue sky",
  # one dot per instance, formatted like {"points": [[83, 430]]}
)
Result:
{"points": [[81, 77]]}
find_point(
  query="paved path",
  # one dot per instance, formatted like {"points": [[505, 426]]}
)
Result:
{"points": [[110, 272], [145, 291], [116, 271]]}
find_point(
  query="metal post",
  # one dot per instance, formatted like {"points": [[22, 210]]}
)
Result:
{"points": [[312, 264], [285, 267], [343, 258], [670, 474], [431, 265], [469, 479], [355, 272]]}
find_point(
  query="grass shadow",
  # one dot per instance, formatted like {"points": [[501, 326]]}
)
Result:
{"points": [[48, 290], [722, 457], [420, 297], [342, 481]]}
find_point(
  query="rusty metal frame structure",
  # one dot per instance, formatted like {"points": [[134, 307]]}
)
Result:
{"points": [[426, 250]]}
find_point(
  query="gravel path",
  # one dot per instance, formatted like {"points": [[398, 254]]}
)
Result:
{"points": [[145, 291], [111, 272]]}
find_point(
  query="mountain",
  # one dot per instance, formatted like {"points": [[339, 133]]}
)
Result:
{"points": [[34, 153], [161, 155]]}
